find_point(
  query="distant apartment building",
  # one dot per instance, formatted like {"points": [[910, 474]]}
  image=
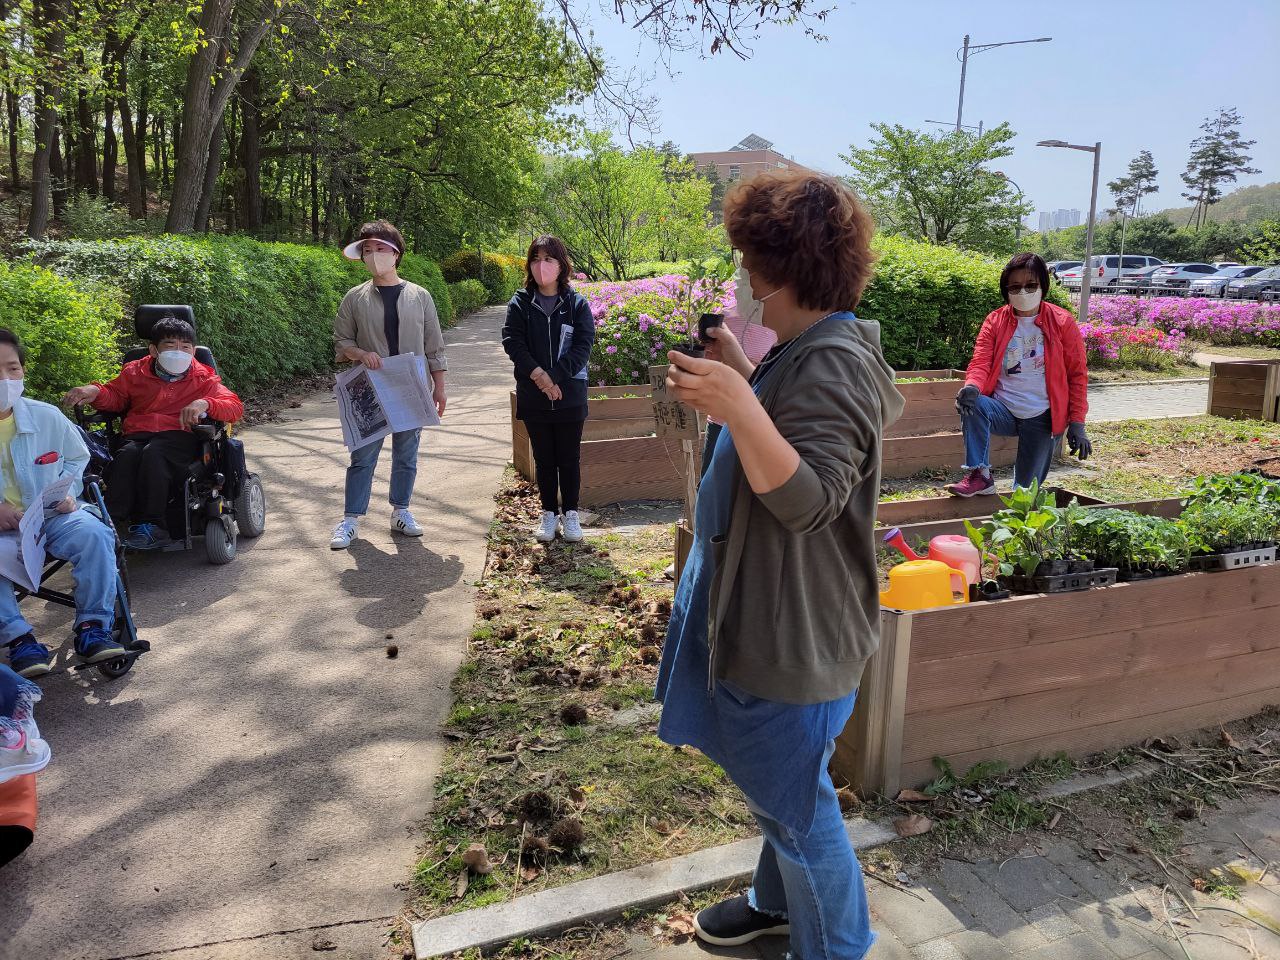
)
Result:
{"points": [[752, 156], [1059, 220]]}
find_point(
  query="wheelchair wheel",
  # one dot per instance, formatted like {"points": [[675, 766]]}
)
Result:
{"points": [[219, 541], [116, 668], [251, 508]]}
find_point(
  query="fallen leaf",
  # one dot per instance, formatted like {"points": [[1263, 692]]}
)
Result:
{"points": [[530, 874], [1228, 741], [913, 826], [847, 798], [320, 943], [460, 887], [1104, 853], [914, 796], [680, 925], [477, 859], [661, 827], [578, 797]]}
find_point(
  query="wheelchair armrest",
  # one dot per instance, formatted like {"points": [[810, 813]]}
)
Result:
{"points": [[210, 429]]}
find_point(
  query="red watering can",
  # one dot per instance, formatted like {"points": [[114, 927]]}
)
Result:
{"points": [[955, 551]]}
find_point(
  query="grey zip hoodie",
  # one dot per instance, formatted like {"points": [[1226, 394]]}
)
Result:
{"points": [[795, 604]]}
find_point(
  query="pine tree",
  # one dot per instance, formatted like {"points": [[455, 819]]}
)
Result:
{"points": [[1140, 181], [1218, 157]]}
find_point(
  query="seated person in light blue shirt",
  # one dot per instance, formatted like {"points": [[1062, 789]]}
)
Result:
{"points": [[39, 445]]}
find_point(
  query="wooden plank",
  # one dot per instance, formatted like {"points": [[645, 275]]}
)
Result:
{"points": [[635, 389], [990, 725], [944, 683], [869, 750], [1234, 398], [630, 450], [1108, 736], [620, 408], [599, 496], [617, 429], [1240, 369], [1027, 621]]}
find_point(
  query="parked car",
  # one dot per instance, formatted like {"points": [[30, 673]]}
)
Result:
{"points": [[1137, 281], [1215, 285], [1105, 270], [1056, 267], [1227, 263], [1261, 286], [1177, 277]]}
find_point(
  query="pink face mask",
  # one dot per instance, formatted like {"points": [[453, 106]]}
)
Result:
{"points": [[546, 271]]}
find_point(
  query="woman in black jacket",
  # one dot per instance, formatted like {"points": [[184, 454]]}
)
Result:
{"points": [[548, 336]]}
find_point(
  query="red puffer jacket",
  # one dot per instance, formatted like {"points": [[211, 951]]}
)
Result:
{"points": [[152, 405], [1066, 374]]}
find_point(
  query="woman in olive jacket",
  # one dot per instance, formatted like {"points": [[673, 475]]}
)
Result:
{"points": [[548, 336]]}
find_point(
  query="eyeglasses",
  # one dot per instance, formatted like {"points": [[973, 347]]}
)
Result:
{"points": [[1029, 288]]}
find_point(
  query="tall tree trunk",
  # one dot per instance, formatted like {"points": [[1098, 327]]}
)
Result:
{"points": [[203, 104], [58, 175], [140, 125], [15, 128], [211, 167], [48, 28], [86, 148], [250, 181], [315, 189], [137, 200], [163, 140], [110, 150]]}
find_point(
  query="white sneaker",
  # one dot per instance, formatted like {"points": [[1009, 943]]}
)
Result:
{"points": [[344, 533], [572, 527], [21, 754], [402, 522], [546, 531]]}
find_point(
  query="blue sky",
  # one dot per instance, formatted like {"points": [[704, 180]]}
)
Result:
{"points": [[1137, 74]]}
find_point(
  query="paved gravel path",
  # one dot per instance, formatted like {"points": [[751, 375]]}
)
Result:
{"points": [[1140, 401]]}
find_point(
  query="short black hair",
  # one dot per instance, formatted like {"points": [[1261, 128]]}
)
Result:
{"points": [[11, 338], [173, 328], [1025, 261]]}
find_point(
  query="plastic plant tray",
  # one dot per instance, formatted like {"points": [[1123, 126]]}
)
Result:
{"points": [[1233, 560], [1063, 583]]}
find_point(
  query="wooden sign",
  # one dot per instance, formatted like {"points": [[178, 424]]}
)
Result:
{"points": [[674, 420]]}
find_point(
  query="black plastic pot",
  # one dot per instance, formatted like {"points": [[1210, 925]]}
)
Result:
{"points": [[1052, 568], [1079, 566]]}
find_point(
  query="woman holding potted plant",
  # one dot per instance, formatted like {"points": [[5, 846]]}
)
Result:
{"points": [[777, 609], [548, 336], [1027, 379]]}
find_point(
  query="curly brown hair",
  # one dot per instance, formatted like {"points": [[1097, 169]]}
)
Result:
{"points": [[806, 231]]}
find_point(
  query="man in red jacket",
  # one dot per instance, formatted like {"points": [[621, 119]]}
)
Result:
{"points": [[161, 396], [1028, 379]]}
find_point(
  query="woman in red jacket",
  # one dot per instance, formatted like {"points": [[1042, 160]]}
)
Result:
{"points": [[1027, 379]]}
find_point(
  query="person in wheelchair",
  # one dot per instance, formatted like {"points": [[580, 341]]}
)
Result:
{"points": [[39, 445], [162, 396]]}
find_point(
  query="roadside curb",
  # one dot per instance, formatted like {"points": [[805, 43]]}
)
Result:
{"points": [[1103, 385], [549, 912]]}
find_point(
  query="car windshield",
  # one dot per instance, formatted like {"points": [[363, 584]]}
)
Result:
{"points": [[1227, 272]]}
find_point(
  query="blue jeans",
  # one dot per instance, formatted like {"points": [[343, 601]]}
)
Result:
{"points": [[90, 546], [814, 881], [1036, 441], [404, 470]]}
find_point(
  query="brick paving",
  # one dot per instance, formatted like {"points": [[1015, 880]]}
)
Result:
{"points": [[1056, 901]]}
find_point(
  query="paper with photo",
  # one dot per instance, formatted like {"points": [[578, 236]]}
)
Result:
{"points": [[22, 550], [394, 398]]}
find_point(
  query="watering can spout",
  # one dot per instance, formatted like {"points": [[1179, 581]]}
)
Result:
{"points": [[895, 539]]}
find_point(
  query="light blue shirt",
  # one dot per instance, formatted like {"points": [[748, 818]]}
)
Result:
{"points": [[44, 429]]}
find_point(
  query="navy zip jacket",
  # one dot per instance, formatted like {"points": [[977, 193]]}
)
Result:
{"points": [[560, 344]]}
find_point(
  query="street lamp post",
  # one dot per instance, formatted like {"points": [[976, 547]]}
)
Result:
{"points": [[1017, 226], [1087, 273], [963, 56]]}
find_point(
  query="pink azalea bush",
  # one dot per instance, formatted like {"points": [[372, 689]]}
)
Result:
{"points": [[638, 321], [1196, 318], [1132, 346]]}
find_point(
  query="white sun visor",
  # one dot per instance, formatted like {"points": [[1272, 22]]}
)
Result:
{"points": [[352, 250]]}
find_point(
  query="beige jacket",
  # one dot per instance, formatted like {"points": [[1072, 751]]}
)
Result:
{"points": [[359, 323]]}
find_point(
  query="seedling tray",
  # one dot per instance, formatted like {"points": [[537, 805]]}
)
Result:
{"points": [[1063, 583], [1213, 562]]}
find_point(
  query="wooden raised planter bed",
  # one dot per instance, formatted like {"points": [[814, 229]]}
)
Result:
{"points": [[931, 406], [1077, 673], [621, 458], [1245, 389]]}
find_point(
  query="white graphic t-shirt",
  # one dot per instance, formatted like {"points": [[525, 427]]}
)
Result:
{"points": [[1021, 386]]}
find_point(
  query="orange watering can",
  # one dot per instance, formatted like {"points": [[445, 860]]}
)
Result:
{"points": [[918, 584], [954, 551]]}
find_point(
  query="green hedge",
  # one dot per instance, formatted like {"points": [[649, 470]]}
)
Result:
{"points": [[468, 296], [70, 330], [930, 302], [500, 273], [265, 309]]}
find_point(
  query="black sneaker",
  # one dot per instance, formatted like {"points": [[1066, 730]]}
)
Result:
{"points": [[735, 922]]}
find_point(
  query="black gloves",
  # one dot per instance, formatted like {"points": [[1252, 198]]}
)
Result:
{"points": [[967, 399], [1078, 441]]}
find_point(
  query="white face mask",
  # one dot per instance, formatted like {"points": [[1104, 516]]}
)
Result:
{"points": [[380, 262], [1025, 302], [175, 362], [10, 391], [749, 308]]}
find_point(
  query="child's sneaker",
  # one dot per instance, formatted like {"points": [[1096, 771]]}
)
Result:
{"points": [[344, 533], [402, 522], [572, 527], [546, 531], [29, 658], [94, 644], [21, 754]]}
